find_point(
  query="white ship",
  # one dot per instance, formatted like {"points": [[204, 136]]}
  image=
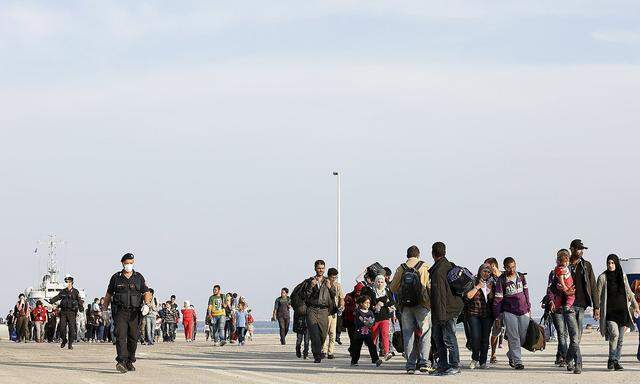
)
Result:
{"points": [[50, 285], [631, 266]]}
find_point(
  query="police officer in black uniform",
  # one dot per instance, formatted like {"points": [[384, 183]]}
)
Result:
{"points": [[70, 304], [126, 292]]}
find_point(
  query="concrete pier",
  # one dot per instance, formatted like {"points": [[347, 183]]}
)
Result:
{"points": [[264, 360]]}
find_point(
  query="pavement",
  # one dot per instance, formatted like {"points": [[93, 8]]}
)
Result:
{"points": [[264, 360]]}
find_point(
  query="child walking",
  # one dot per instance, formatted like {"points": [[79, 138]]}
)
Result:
{"points": [[364, 320], [250, 321], [241, 322]]}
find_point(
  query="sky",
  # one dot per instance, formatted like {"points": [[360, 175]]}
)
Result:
{"points": [[202, 137]]}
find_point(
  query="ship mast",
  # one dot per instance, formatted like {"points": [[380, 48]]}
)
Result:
{"points": [[52, 265]]}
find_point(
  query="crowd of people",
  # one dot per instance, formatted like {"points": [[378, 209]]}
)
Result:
{"points": [[94, 323], [415, 311]]}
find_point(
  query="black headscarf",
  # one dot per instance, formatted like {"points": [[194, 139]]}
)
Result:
{"points": [[617, 275]]}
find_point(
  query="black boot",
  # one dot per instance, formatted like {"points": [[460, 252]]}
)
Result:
{"points": [[610, 364], [298, 353], [617, 366]]}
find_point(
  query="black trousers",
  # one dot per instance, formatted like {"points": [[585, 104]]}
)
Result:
{"points": [[127, 328], [355, 348], [283, 323], [68, 319], [338, 327], [317, 324]]}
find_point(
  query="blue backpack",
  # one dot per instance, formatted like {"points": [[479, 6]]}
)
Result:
{"points": [[460, 280]]}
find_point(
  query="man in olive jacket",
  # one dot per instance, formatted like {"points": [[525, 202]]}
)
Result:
{"points": [[445, 309]]}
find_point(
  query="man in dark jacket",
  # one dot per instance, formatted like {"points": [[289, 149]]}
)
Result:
{"points": [[319, 294], [69, 306], [445, 309], [584, 281]]}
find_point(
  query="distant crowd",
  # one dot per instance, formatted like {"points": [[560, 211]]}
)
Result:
{"points": [[228, 318]]}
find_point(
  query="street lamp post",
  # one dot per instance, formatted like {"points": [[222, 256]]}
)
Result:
{"points": [[338, 239]]}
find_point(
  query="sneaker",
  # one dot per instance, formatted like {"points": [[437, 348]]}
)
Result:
{"points": [[610, 365], [63, 344], [317, 360], [617, 366], [388, 356], [512, 364], [411, 371], [216, 344], [452, 371], [330, 357], [519, 367], [121, 368], [570, 366], [70, 346], [298, 353], [222, 343], [473, 364], [578, 369], [493, 360], [425, 369], [483, 366], [305, 356], [130, 366], [354, 364], [338, 341], [378, 362]]}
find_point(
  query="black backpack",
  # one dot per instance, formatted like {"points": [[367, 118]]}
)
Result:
{"points": [[297, 299], [460, 279], [410, 285]]}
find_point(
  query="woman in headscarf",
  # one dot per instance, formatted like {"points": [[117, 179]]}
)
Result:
{"points": [[383, 306], [616, 303], [478, 312]]}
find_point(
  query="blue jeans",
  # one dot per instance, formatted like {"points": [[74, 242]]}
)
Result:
{"points": [[100, 333], [574, 322], [561, 330], [444, 335], [416, 335], [615, 334], [479, 330], [217, 328], [150, 325]]}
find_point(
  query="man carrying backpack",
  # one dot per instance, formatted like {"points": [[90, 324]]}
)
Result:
{"points": [[445, 309], [512, 301], [411, 284]]}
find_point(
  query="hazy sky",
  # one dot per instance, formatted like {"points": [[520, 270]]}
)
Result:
{"points": [[201, 136]]}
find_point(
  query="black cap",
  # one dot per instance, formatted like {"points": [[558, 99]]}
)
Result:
{"points": [[67, 278], [577, 244], [127, 256]]}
